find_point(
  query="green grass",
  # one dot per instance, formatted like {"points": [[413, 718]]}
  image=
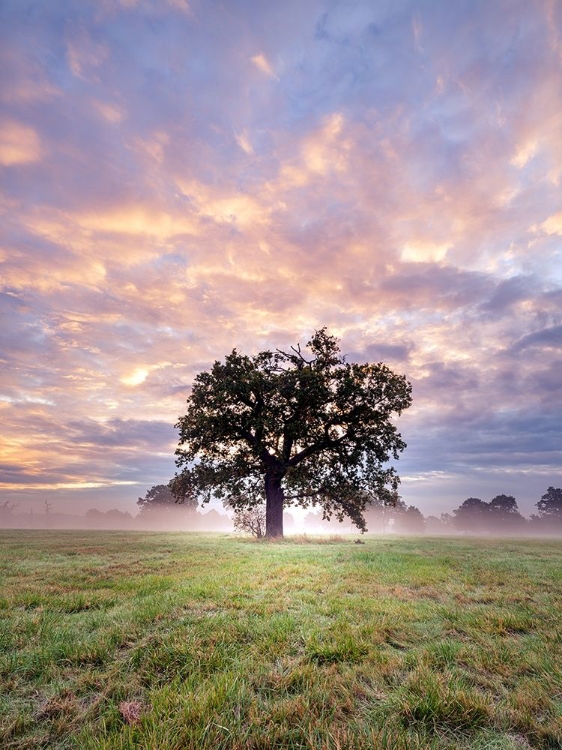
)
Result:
{"points": [[228, 643]]}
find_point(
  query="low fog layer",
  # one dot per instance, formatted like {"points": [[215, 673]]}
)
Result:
{"points": [[498, 517]]}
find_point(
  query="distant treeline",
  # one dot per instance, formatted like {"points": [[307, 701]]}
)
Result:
{"points": [[172, 518], [158, 510], [499, 516]]}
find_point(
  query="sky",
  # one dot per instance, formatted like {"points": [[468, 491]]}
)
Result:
{"points": [[182, 178]]}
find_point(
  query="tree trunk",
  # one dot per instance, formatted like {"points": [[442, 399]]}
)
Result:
{"points": [[274, 500]]}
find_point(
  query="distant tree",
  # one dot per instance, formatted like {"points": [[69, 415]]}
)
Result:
{"points": [[7, 513], [381, 508], [537, 525], [160, 500], [472, 515], [434, 525], [119, 515], [250, 520], [94, 514], [314, 523], [116, 519], [120, 519], [288, 521], [550, 505], [503, 505], [289, 428], [213, 521], [48, 514], [410, 521], [94, 518], [504, 516]]}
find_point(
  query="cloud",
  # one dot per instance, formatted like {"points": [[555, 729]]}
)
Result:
{"points": [[111, 112], [424, 252], [244, 142], [550, 338], [136, 377], [262, 64], [84, 54], [19, 143], [553, 225]]}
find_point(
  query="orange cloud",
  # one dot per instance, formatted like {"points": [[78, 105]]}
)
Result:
{"points": [[244, 142], [262, 64], [109, 111], [553, 225], [84, 55], [19, 144]]}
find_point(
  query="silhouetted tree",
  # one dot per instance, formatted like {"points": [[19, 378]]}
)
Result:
{"points": [[94, 514], [48, 514], [504, 516], [381, 509], [7, 518], [472, 515], [410, 521], [288, 521], [314, 523], [447, 520], [434, 525], [112, 519], [161, 500], [550, 505], [214, 521], [292, 429]]}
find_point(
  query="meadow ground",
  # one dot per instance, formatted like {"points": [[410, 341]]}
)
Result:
{"points": [[171, 641]]}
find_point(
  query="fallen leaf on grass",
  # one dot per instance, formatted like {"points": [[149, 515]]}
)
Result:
{"points": [[130, 711]]}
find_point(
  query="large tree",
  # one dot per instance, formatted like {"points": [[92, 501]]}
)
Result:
{"points": [[292, 427]]}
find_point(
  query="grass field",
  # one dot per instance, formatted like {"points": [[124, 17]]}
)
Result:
{"points": [[139, 640]]}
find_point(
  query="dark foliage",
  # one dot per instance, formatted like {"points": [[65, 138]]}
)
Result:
{"points": [[381, 508], [163, 499], [550, 505], [499, 516], [504, 516], [472, 515], [292, 429], [410, 521]]}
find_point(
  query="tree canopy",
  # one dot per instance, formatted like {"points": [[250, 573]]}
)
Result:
{"points": [[292, 427], [550, 504], [409, 521], [501, 515], [471, 515], [160, 499]]}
